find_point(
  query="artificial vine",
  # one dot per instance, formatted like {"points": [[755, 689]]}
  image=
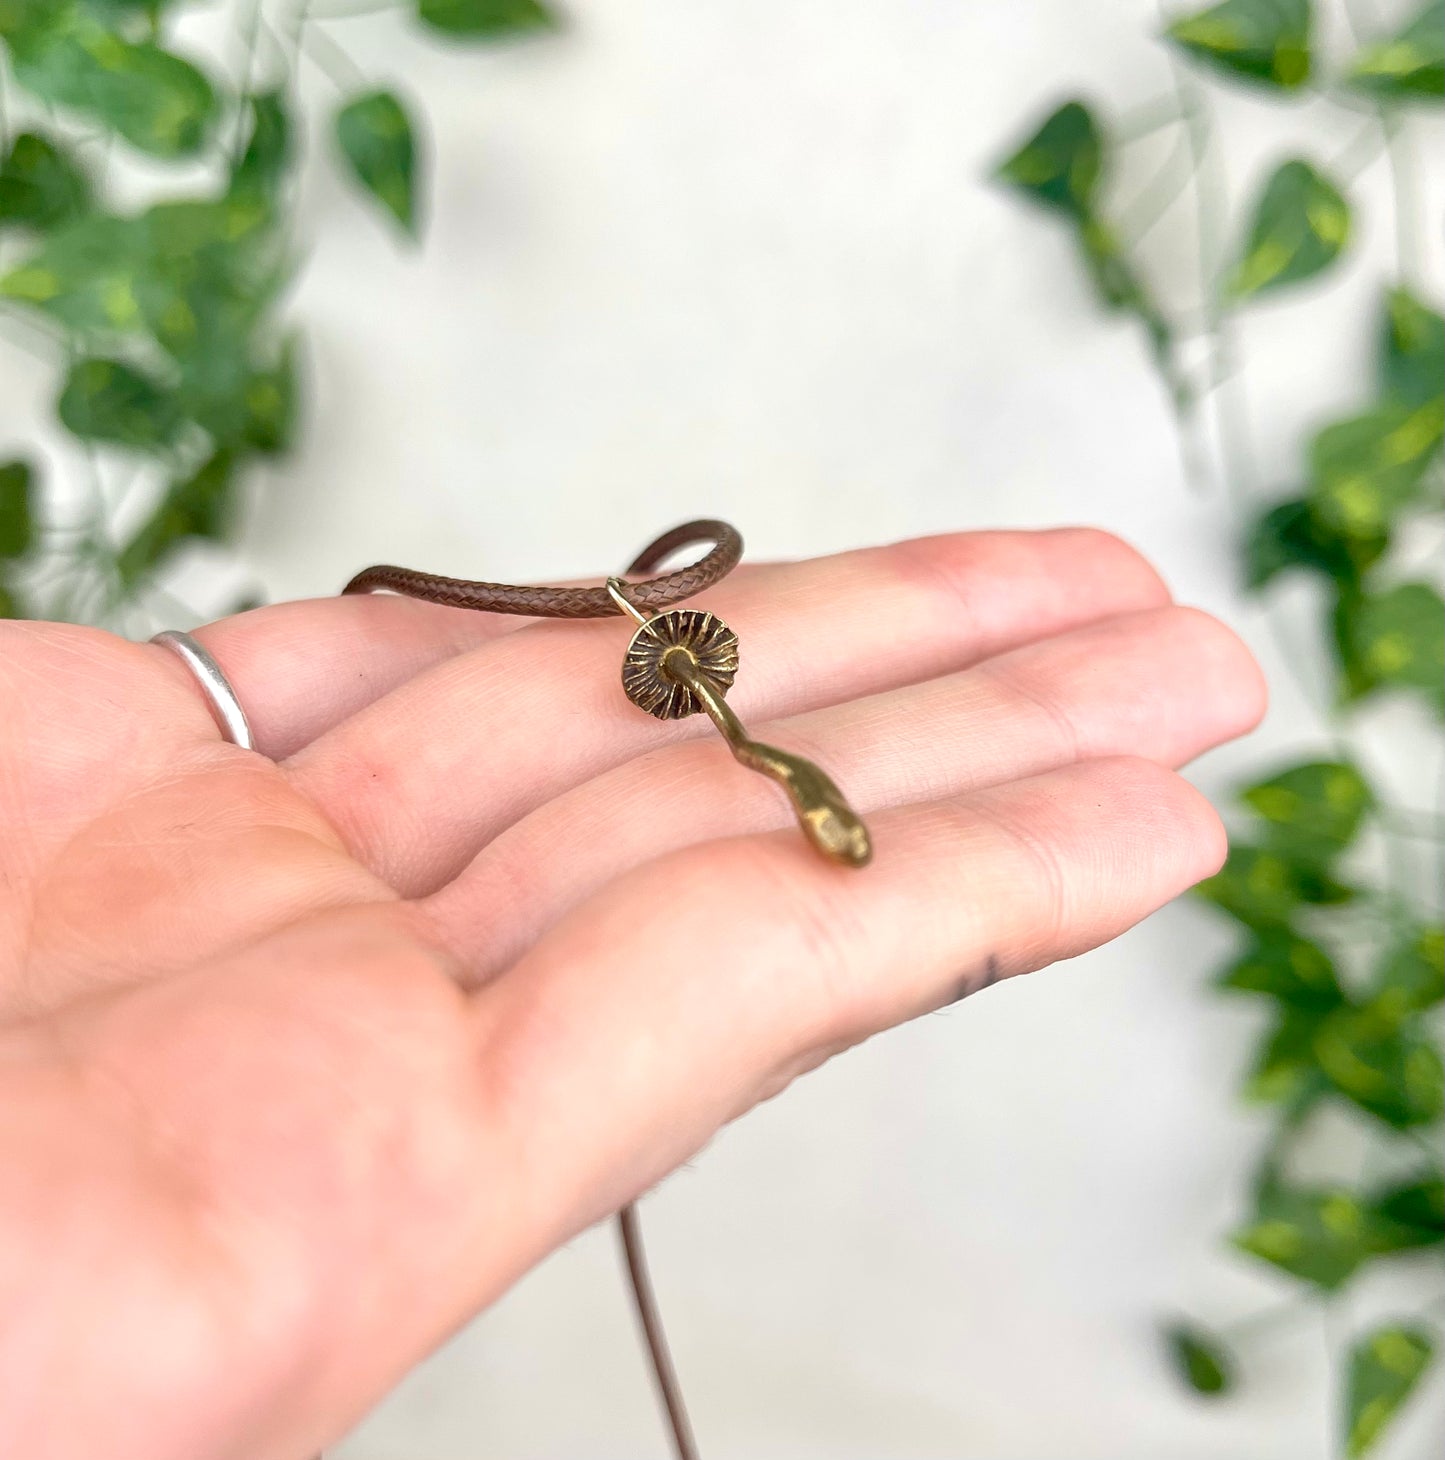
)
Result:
{"points": [[178, 371], [1335, 889]]}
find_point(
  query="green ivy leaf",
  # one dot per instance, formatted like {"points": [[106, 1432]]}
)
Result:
{"points": [[155, 100], [1385, 1367], [376, 138], [1261, 40], [1394, 639], [206, 272], [269, 147], [271, 405], [213, 391], [195, 507], [17, 511], [83, 275], [1263, 887], [109, 400], [1061, 164], [1412, 350], [488, 19], [1291, 535], [1301, 224], [1411, 63], [1394, 1073], [1409, 1215], [1412, 976], [19, 17], [197, 274], [1317, 1234], [1200, 1358], [1285, 1070], [1286, 967], [192, 237], [1363, 471], [41, 185], [1313, 810]]}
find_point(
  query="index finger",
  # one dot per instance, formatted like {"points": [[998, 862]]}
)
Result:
{"points": [[301, 667]]}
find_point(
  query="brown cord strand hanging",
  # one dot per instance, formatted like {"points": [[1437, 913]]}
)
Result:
{"points": [[629, 1227]]}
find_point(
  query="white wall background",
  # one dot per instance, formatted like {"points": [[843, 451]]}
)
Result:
{"points": [[741, 259]]}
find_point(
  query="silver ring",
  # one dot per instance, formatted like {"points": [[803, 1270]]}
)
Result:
{"points": [[213, 685]]}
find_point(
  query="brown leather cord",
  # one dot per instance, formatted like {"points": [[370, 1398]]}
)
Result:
{"points": [[629, 1227], [544, 602]]}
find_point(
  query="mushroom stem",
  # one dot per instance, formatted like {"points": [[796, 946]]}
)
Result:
{"points": [[823, 812]]}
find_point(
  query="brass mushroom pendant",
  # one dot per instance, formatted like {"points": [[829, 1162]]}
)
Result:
{"points": [[685, 660], [702, 636]]}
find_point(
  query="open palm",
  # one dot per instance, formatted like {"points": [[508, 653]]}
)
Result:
{"points": [[307, 1054]]}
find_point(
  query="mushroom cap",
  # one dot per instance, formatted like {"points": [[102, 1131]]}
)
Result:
{"points": [[705, 636]]}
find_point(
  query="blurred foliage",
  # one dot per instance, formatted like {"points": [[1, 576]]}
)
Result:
{"points": [[485, 17], [1300, 225], [1200, 1358], [1409, 64], [163, 322], [1265, 41], [376, 138], [1339, 946], [1384, 1368]]}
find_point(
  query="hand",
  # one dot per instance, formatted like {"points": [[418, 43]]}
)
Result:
{"points": [[308, 1054]]}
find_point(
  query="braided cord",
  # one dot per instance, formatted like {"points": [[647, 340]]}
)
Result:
{"points": [[539, 601]]}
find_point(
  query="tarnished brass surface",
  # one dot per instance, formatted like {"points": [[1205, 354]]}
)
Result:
{"points": [[685, 660], [707, 642], [823, 812]]}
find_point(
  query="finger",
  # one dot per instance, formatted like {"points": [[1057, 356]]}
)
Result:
{"points": [[705, 981], [1166, 684], [300, 668], [419, 781]]}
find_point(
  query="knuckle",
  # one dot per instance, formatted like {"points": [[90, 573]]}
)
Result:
{"points": [[930, 567], [1044, 871], [1050, 696]]}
